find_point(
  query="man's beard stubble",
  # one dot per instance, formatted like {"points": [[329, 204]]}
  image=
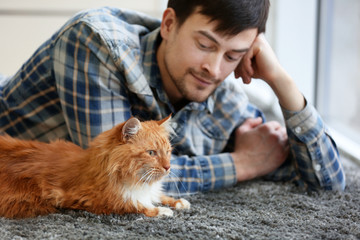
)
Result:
{"points": [[193, 96]]}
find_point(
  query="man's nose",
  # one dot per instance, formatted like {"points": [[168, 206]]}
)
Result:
{"points": [[212, 65]]}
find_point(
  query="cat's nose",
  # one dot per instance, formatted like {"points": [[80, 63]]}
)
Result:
{"points": [[166, 167]]}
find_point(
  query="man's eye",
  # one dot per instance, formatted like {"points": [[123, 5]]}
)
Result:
{"points": [[230, 58], [203, 46], [152, 153]]}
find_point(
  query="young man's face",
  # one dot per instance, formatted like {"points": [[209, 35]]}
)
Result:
{"points": [[194, 59]]}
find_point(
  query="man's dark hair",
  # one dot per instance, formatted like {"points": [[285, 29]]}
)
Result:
{"points": [[232, 16]]}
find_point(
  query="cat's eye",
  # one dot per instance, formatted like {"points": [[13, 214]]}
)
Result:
{"points": [[152, 153]]}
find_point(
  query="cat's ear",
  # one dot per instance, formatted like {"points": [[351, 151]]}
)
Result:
{"points": [[130, 128], [165, 122]]}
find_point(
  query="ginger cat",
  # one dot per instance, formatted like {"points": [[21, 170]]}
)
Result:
{"points": [[120, 173]]}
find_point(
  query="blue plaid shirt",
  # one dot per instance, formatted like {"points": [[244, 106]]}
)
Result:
{"points": [[100, 68]]}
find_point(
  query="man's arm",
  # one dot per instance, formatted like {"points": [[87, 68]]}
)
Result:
{"points": [[190, 175], [310, 139], [261, 62], [314, 158]]}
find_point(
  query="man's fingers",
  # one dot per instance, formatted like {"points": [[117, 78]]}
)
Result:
{"points": [[273, 125], [245, 69], [249, 124]]}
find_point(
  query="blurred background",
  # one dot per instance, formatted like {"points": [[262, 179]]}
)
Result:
{"points": [[317, 42]]}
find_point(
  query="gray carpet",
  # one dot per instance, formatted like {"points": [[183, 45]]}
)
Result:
{"points": [[252, 210]]}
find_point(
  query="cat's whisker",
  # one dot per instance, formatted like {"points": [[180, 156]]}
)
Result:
{"points": [[177, 179], [158, 172], [177, 188], [144, 176], [149, 179]]}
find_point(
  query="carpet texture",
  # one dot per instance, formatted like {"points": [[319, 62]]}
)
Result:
{"points": [[251, 210]]}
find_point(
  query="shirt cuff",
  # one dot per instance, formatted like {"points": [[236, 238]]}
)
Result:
{"points": [[306, 124]]}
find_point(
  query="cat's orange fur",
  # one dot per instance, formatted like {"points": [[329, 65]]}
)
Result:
{"points": [[119, 173]]}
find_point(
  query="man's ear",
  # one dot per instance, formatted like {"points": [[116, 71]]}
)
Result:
{"points": [[168, 23]]}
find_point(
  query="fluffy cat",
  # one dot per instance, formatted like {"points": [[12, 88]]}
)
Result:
{"points": [[120, 173]]}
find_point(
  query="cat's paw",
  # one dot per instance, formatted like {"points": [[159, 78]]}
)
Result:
{"points": [[182, 204], [163, 211]]}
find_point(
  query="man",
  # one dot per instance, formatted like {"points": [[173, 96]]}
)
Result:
{"points": [[106, 65]]}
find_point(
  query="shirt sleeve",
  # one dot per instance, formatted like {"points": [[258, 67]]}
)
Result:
{"points": [[191, 175], [314, 161], [88, 85]]}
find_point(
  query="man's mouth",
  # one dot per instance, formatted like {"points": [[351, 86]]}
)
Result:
{"points": [[202, 81]]}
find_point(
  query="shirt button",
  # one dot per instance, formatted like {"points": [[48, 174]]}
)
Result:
{"points": [[317, 167], [298, 129]]}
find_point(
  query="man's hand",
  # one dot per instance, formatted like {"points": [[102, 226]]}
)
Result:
{"points": [[259, 148], [261, 62]]}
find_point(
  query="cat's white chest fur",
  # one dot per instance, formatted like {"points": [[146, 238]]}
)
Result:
{"points": [[145, 194]]}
